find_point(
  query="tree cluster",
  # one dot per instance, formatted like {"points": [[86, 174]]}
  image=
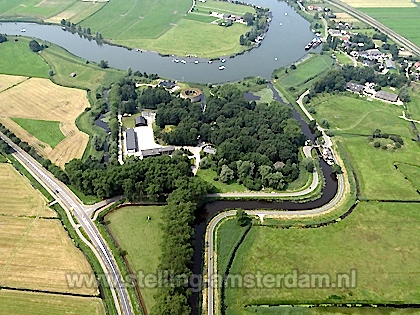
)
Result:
{"points": [[35, 46], [335, 79], [54, 169], [247, 136], [177, 248], [259, 24], [3, 38], [136, 179]]}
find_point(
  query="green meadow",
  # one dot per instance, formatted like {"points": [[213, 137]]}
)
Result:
{"points": [[44, 130], [371, 241], [141, 239], [405, 21], [18, 59], [296, 81]]}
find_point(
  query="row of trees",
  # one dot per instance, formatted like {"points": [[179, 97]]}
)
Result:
{"points": [[177, 248], [54, 169]]}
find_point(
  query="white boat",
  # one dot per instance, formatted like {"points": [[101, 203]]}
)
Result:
{"points": [[223, 60], [176, 60], [275, 59], [196, 61], [222, 68], [210, 61], [285, 13], [183, 61], [23, 30]]}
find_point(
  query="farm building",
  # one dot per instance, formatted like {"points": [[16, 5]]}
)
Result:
{"points": [[209, 150], [158, 151], [131, 140], [167, 84], [390, 97], [390, 64], [140, 121], [354, 87]]}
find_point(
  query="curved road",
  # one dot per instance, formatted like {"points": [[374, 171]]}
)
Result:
{"points": [[70, 202], [211, 277], [371, 21]]}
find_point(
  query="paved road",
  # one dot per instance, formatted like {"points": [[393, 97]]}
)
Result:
{"points": [[72, 203], [384, 29], [209, 237]]}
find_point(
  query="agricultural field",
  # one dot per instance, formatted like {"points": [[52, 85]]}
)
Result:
{"points": [[44, 130], [48, 11], [141, 239], [7, 81], [23, 303], [405, 21], [32, 99], [35, 253], [299, 79], [381, 3], [26, 203], [371, 240], [414, 105], [412, 172], [353, 119]]}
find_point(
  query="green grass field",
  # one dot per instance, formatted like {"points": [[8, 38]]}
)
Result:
{"points": [[343, 59], [348, 113], [412, 172], [48, 11], [414, 105], [228, 235], [208, 175], [44, 130], [23, 303], [300, 79], [141, 239], [371, 240], [18, 59], [2, 158], [405, 21]]}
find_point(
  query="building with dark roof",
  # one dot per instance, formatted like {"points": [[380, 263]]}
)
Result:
{"points": [[140, 121], [167, 84], [390, 97], [158, 151], [131, 140], [354, 87]]}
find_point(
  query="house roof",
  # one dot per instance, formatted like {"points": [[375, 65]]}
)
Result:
{"points": [[354, 87], [140, 120], [390, 63], [130, 138], [279, 164], [391, 97], [209, 150], [167, 84], [158, 151]]}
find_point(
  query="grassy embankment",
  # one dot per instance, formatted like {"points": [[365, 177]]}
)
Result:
{"points": [[141, 239], [36, 251]]}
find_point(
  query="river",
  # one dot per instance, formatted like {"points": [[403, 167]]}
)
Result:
{"points": [[283, 44]]}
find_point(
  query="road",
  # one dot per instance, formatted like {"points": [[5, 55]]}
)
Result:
{"points": [[71, 203], [384, 29], [211, 277]]}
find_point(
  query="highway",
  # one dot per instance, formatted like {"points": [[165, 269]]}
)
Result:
{"points": [[371, 21], [70, 202]]}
